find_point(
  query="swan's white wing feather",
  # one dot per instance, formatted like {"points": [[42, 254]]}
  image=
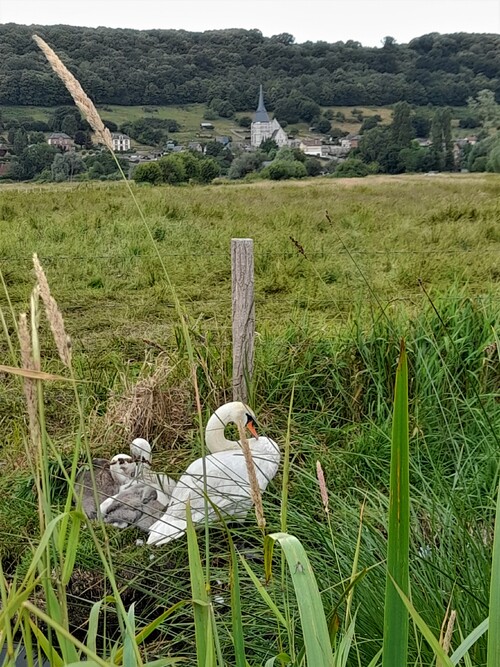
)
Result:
{"points": [[227, 486]]}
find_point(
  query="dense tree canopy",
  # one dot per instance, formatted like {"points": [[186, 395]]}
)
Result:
{"points": [[225, 67]]}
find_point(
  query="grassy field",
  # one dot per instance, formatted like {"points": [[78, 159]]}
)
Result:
{"points": [[329, 320]]}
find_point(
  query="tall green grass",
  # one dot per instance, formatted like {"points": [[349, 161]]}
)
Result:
{"points": [[341, 414]]}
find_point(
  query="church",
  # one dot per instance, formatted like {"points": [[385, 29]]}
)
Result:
{"points": [[264, 128]]}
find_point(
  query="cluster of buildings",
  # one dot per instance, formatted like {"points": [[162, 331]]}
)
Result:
{"points": [[121, 142], [261, 129]]}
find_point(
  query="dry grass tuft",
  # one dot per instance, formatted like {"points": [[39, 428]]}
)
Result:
{"points": [[446, 633], [322, 486], [82, 100], [151, 408], [54, 315]]}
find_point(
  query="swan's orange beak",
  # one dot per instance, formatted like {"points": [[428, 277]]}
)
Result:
{"points": [[251, 428]]}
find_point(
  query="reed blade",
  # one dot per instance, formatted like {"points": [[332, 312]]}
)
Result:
{"points": [[312, 615], [493, 632], [396, 621], [205, 650]]}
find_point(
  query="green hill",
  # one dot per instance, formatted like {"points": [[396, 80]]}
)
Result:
{"points": [[175, 67]]}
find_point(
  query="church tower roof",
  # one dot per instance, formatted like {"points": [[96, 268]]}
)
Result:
{"points": [[261, 115]]}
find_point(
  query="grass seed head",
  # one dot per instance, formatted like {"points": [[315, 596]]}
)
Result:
{"points": [[54, 315], [322, 486], [80, 97], [254, 484], [29, 384], [449, 632]]}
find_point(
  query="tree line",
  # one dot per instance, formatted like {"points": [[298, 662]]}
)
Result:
{"points": [[224, 68]]}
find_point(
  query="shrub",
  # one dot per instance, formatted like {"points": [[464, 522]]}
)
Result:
{"points": [[469, 122], [210, 114], [112, 126], [369, 123], [148, 172], [337, 133], [479, 154], [172, 169], [223, 108], [352, 168], [479, 163], [244, 121], [313, 166], [245, 164], [209, 169], [280, 170], [323, 126], [269, 145], [494, 159], [35, 125], [191, 164]]}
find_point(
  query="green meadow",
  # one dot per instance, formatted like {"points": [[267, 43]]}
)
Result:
{"points": [[344, 269]]}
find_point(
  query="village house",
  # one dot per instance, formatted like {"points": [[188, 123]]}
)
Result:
{"points": [[121, 142], [331, 151], [316, 148], [62, 141], [195, 146], [350, 142], [423, 142], [264, 128], [311, 147]]}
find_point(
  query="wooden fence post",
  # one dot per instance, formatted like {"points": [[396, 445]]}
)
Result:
{"points": [[243, 315]]}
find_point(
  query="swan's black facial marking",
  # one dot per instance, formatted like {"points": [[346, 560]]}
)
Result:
{"points": [[250, 420], [251, 425]]}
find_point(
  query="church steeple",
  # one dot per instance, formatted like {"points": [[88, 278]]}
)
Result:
{"points": [[261, 115]]}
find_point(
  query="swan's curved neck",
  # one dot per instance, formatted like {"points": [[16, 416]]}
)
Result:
{"points": [[214, 432]]}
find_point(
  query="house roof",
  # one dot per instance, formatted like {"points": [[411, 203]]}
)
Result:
{"points": [[59, 135], [261, 115], [119, 135]]}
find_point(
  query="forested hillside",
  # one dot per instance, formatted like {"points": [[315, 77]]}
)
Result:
{"points": [[132, 67]]}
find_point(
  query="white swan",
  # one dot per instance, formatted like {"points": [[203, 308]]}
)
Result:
{"points": [[227, 483], [141, 500]]}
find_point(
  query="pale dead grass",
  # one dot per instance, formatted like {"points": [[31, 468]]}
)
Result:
{"points": [[154, 407]]}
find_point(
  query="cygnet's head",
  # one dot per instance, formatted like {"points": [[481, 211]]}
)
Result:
{"points": [[122, 468], [141, 450]]}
